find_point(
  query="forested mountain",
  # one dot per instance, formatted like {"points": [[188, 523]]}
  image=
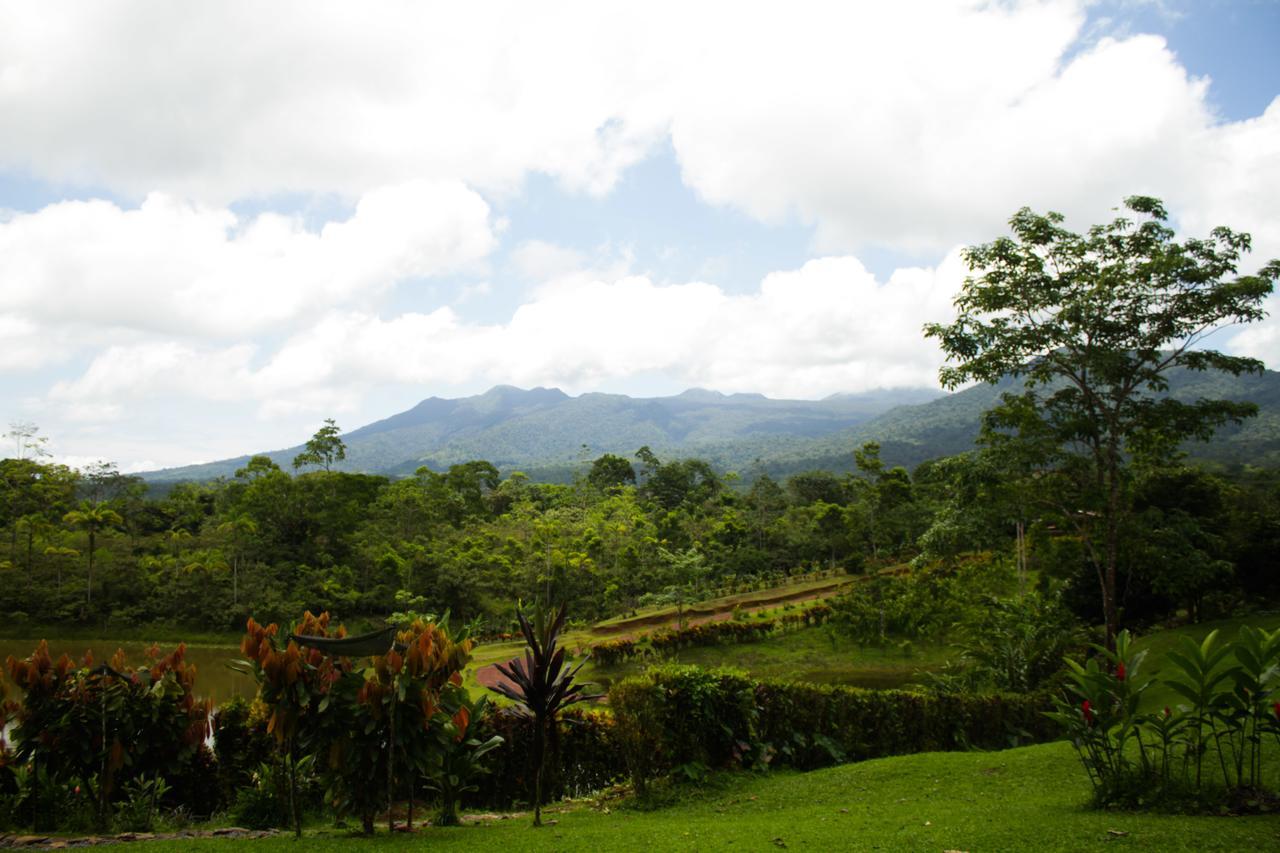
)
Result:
{"points": [[948, 425], [543, 431]]}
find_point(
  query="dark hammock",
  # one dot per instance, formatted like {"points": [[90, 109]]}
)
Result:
{"points": [[373, 643]]}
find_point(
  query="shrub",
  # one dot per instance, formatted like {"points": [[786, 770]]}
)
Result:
{"points": [[673, 716], [100, 727], [1136, 759], [585, 757], [241, 744]]}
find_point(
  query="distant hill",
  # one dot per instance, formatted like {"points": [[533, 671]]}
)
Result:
{"points": [[542, 431], [909, 435], [548, 434]]}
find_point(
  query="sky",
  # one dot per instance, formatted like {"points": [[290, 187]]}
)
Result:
{"points": [[222, 223]]}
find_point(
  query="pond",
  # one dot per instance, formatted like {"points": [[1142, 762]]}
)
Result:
{"points": [[214, 679]]}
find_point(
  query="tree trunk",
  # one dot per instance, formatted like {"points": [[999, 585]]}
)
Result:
{"points": [[89, 591], [294, 806], [391, 760], [539, 732], [1112, 545]]}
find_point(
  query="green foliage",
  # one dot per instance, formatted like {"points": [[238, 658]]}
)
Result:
{"points": [[1094, 324], [458, 765], [324, 448], [925, 603], [99, 727], [737, 630], [674, 716], [541, 686], [1137, 759], [587, 757], [1015, 645]]}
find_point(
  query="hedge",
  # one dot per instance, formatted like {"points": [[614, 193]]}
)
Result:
{"points": [[683, 718], [586, 757]]}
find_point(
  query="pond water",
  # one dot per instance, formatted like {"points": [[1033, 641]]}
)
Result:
{"points": [[214, 679]]}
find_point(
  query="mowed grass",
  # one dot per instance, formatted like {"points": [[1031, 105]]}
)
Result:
{"points": [[1160, 643], [1033, 798]]}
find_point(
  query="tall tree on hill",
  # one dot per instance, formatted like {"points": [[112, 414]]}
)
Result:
{"points": [[1094, 323], [323, 449]]}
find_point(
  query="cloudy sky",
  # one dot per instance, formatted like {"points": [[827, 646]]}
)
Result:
{"points": [[221, 223]]}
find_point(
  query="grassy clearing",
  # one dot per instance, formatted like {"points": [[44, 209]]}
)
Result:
{"points": [[1025, 799]]}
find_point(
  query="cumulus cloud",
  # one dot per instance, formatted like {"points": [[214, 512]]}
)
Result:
{"points": [[828, 326], [177, 268], [914, 125]]}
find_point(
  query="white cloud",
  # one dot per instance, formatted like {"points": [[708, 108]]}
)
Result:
{"points": [[176, 268], [828, 326], [910, 124]]}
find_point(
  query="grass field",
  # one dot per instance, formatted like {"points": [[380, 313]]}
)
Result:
{"points": [[1025, 799]]}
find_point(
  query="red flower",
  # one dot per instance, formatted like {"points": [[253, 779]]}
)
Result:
{"points": [[1277, 710], [1169, 713], [1088, 711], [1120, 671]]}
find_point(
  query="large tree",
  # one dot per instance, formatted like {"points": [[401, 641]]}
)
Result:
{"points": [[1094, 324]]}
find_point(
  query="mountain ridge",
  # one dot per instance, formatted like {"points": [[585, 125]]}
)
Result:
{"points": [[543, 431]]}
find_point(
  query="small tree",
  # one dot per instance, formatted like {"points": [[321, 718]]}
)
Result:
{"points": [[686, 571], [294, 682], [1095, 323], [541, 686]]}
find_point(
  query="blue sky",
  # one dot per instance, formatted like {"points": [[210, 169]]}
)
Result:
{"points": [[217, 230]]}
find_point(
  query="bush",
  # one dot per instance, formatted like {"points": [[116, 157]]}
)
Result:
{"points": [[1158, 760], [584, 757], [673, 717], [138, 721], [241, 744]]}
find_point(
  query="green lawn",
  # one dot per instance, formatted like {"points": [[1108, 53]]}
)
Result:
{"points": [[1161, 642], [1025, 799]]}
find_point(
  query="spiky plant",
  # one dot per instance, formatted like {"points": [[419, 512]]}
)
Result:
{"points": [[541, 686]]}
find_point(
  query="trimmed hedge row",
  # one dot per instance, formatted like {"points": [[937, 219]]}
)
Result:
{"points": [[611, 652], [680, 717]]}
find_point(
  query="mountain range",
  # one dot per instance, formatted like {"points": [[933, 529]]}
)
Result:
{"points": [[549, 435]]}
